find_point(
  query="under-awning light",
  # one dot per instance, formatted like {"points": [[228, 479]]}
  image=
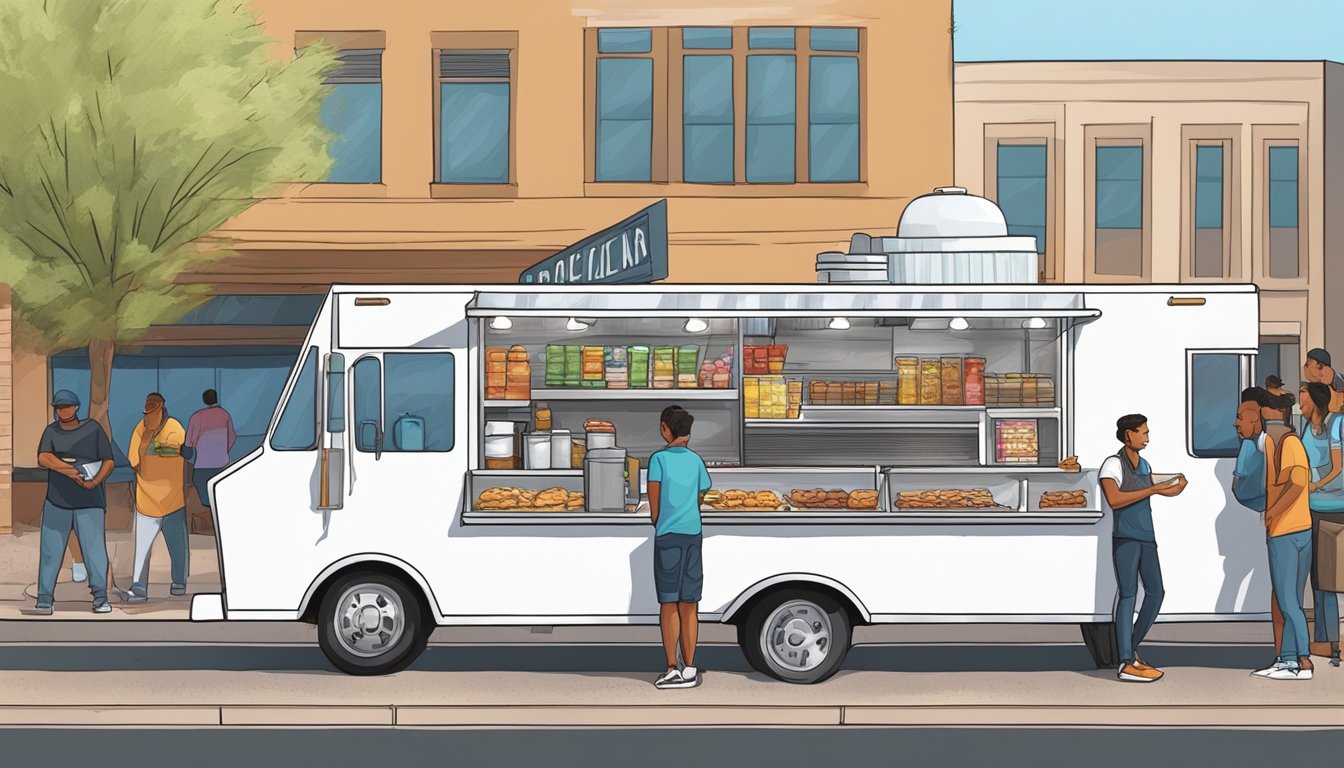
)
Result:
{"points": [[500, 323], [959, 324], [1034, 323], [575, 324], [695, 325], [839, 324]]}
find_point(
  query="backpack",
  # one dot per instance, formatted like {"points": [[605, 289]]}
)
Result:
{"points": [[1278, 433], [409, 433]]}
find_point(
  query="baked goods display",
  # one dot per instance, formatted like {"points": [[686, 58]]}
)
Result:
{"points": [[737, 499], [597, 425], [975, 498], [1016, 442], [818, 498], [508, 373], [522, 500], [1019, 390], [852, 392], [1071, 465], [1063, 499]]}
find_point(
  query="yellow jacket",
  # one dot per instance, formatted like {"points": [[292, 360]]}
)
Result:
{"points": [[160, 487]]}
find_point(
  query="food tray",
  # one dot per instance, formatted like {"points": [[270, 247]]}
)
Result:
{"points": [[1085, 481], [783, 481], [1005, 490]]}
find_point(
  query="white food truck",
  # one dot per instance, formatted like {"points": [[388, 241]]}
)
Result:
{"points": [[878, 454]]}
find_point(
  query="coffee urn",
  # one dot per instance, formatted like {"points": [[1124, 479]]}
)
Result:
{"points": [[604, 471]]}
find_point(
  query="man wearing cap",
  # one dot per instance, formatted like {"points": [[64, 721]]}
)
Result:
{"points": [[1318, 368], [78, 458], [160, 495]]}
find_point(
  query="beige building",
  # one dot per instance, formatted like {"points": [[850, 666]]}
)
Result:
{"points": [[1172, 172], [476, 137]]}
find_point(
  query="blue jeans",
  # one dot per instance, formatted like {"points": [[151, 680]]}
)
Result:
{"points": [[1135, 560], [57, 522], [174, 530], [1289, 566], [201, 479]]}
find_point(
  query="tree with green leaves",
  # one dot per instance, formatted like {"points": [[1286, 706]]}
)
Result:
{"points": [[131, 129]]}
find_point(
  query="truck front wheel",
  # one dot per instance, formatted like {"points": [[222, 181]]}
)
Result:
{"points": [[796, 635], [371, 623]]}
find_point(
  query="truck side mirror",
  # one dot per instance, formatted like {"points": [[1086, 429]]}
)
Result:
{"points": [[335, 366]]}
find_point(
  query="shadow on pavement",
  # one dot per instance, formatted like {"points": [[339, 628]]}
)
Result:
{"points": [[599, 659]]}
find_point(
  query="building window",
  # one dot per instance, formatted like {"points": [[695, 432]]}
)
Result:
{"points": [[624, 105], [1119, 210], [707, 117], [474, 116], [353, 111], [772, 110], [1021, 189], [1213, 393], [1284, 212], [1209, 205], [768, 105]]}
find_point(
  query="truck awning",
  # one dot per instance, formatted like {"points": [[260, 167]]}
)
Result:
{"points": [[885, 304]]}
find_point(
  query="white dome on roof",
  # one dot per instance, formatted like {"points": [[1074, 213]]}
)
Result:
{"points": [[950, 212]]}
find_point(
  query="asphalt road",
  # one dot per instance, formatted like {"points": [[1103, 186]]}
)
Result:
{"points": [[1038, 748]]}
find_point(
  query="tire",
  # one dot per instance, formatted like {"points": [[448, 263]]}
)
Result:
{"points": [[381, 602], [771, 633]]}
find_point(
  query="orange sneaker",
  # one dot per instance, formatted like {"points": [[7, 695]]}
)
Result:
{"points": [[1141, 664], [1133, 673]]}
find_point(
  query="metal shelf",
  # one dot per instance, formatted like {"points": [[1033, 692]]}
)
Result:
{"points": [[629, 394]]}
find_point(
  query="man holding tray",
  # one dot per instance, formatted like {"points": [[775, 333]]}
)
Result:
{"points": [[78, 458], [1128, 484]]}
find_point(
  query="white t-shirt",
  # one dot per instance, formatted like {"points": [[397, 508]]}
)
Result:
{"points": [[1110, 468]]}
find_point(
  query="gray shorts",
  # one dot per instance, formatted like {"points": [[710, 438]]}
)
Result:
{"points": [[678, 575]]}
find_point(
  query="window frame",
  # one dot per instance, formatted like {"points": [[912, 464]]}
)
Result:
{"points": [[1095, 136], [668, 161], [380, 359], [1263, 137], [474, 41], [1193, 137], [1030, 134], [351, 40], [1246, 376]]}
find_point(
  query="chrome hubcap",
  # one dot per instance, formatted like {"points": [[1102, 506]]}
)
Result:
{"points": [[797, 636], [370, 620]]}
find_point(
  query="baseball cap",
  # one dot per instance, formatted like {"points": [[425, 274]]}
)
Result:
{"points": [[153, 402], [65, 397], [1273, 381], [1320, 356]]}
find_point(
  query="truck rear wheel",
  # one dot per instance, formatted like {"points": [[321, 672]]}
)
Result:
{"points": [[796, 635], [371, 623]]}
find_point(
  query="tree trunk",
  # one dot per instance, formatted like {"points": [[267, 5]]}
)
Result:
{"points": [[101, 352]]}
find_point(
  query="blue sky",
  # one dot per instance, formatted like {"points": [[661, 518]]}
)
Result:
{"points": [[992, 30]]}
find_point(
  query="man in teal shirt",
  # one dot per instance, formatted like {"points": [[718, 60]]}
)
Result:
{"points": [[677, 484]]}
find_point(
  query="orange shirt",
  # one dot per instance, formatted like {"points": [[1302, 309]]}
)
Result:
{"points": [[1293, 469], [160, 487]]}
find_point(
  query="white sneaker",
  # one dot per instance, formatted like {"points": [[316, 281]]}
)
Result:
{"points": [[1267, 671], [1288, 673], [669, 679], [78, 573], [690, 676]]}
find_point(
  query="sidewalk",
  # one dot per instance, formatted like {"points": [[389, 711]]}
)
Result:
{"points": [[18, 579], [898, 676]]}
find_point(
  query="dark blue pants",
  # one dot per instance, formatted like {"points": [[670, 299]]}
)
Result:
{"points": [[1135, 560]]}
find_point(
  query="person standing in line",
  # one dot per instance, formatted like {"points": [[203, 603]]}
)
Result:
{"points": [[1128, 483], [1323, 437], [1266, 414], [677, 484], [160, 496], [78, 458], [210, 437], [1288, 531], [1319, 368]]}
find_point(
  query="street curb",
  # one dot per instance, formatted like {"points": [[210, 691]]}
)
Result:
{"points": [[655, 716]]}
